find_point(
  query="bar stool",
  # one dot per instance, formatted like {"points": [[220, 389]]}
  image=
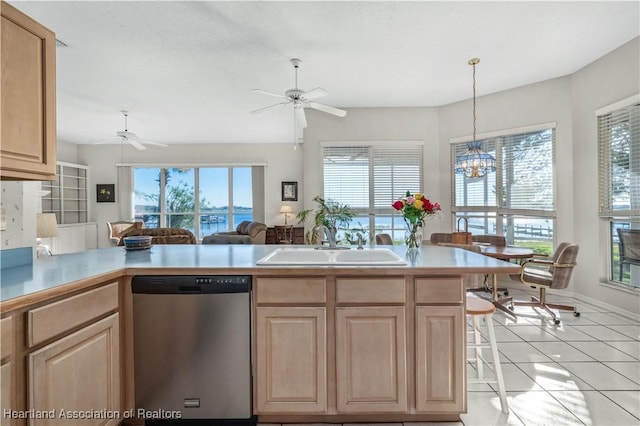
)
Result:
{"points": [[477, 308]]}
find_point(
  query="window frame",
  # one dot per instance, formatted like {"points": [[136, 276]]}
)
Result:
{"points": [[608, 215], [501, 214], [371, 211], [164, 215]]}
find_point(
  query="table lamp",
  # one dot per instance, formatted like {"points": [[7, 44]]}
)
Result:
{"points": [[287, 211], [46, 227]]}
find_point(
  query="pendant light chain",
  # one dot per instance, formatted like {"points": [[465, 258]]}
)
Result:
{"points": [[474, 100]]}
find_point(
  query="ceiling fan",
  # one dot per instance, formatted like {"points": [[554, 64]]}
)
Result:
{"points": [[130, 137], [300, 99]]}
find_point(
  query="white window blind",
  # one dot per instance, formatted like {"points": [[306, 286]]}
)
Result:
{"points": [[619, 162], [527, 172], [371, 177], [523, 183]]}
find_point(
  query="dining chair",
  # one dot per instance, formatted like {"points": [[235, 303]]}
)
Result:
{"points": [[440, 237], [495, 240], [629, 247], [384, 239], [543, 273]]}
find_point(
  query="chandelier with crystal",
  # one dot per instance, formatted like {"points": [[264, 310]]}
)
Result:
{"points": [[475, 163]]}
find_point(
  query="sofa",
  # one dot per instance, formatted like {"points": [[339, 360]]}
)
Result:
{"points": [[246, 232], [162, 235]]}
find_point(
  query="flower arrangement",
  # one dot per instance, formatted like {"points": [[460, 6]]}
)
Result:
{"points": [[415, 208]]}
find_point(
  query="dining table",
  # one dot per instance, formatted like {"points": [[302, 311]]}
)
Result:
{"points": [[506, 253]]}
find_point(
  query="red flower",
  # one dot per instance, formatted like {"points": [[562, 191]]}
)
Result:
{"points": [[398, 205]]}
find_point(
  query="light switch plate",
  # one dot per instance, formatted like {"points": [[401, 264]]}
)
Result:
{"points": [[3, 219]]}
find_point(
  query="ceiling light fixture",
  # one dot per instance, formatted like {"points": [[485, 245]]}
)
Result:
{"points": [[475, 163]]}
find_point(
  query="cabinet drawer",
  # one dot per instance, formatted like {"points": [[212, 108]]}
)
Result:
{"points": [[6, 336], [439, 290], [50, 320], [290, 290], [370, 290]]}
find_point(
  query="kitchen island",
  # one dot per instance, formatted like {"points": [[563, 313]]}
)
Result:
{"points": [[329, 343]]}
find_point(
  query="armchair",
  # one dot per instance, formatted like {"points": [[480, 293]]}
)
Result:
{"points": [[246, 232], [543, 273], [117, 229], [629, 247]]}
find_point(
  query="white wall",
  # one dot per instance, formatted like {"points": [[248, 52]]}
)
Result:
{"points": [[375, 124], [611, 78], [283, 164]]}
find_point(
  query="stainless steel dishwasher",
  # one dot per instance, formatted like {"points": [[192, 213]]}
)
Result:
{"points": [[192, 351]]}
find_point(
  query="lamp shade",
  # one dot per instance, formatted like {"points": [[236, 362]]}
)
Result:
{"points": [[46, 225], [286, 209]]}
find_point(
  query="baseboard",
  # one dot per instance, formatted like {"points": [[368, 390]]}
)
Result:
{"points": [[595, 302]]}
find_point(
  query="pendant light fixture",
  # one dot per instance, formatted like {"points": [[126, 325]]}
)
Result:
{"points": [[475, 163]]}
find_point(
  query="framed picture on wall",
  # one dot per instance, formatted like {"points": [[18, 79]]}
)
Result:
{"points": [[289, 191], [106, 193]]}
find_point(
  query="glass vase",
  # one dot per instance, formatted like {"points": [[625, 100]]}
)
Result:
{"points": [[413, 236]]}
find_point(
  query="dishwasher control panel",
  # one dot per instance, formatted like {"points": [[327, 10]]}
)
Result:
{"points": [[190, 284]]}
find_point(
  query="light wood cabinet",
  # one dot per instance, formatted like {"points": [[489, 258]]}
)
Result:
{"points": [[79, 373], [440, 344], [371, 373], [28, 97], [291, 359], [6, 368]]}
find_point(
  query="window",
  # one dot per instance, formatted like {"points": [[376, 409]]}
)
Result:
{"points": [[619, 179], [369, 178], [204, 200], [518, 199]]}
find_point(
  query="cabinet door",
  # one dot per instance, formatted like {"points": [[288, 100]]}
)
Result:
{"points": [[5, 392], [371, 359], [440, 353], [78, 373], [28, 149], [291, 360]]}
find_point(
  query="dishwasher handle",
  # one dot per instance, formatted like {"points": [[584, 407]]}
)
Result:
{"points": [[190, 284]]}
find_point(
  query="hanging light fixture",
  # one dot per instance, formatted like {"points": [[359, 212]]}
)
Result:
{"points": [[475, 163]]}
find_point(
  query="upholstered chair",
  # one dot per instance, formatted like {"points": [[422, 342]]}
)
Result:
{"points": [[163, 235], [543, 273]]}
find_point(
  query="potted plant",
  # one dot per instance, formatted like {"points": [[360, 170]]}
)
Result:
{"points": [[331, 214]]}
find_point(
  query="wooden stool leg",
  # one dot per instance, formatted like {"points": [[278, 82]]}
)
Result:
{"points": [[496, 365]]}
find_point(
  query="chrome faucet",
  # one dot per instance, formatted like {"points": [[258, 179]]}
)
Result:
{"points": [[360, 241], [330, 233]]}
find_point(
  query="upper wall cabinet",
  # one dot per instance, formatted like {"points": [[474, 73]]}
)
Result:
{"points": [[28, 95]]}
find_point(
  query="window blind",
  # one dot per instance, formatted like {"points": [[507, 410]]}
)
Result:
{"points": [[523, 184], [619, 162], [371, 177]]}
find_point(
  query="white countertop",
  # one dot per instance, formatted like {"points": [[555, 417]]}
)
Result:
{"points": [[50, 272]]}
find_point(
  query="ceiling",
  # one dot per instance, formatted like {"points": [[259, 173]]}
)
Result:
{"points": [[184, 69]]}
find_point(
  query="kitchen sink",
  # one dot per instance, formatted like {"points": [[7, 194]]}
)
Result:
{"points": [[311, 256]]}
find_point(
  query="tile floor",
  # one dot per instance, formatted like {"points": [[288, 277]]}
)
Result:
{"points": [[585, 371]]}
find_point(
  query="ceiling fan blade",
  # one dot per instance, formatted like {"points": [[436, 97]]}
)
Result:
{"points": [[327, 109], [314, 93], [136, 144], [270, 106], [268, 93], [300, 117], [105, 141], [147, 142]]}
